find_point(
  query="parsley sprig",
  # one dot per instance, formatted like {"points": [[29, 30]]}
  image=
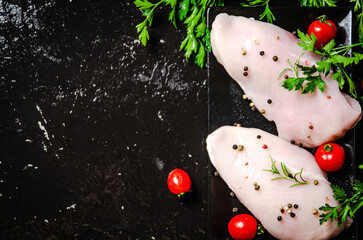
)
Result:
{"points": [[331, 57], [286, 174], [190, 12], [348, 205], [358, 7], [261, 3], [318, 3]]}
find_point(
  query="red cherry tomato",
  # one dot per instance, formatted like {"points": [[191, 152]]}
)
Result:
{"points": [[324, 31], [330, 157], [242, 227], [179, 181]]}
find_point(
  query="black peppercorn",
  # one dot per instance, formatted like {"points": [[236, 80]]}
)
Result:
{"points": [[290, 175], [245, 68], [300, 145], [275, 58], [269, 101], [296, 206], [258, 136], [282, 210], [292, 142], [262, 53], [292, 215], [245, 74], [234, 146], [279, 218]]}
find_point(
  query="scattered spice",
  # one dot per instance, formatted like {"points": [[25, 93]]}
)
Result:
{"points": [[262, 111], [252, 104], [316, 182], [240, 148], [275, 58], [277, 37], [262, 53], [286, 208], [289, 205], [258, 136], [269, 101], [294, 32], [264, 146], [234, 146], [292, 215], [244, 96], [286, 76], [238, 125], [315, 211], [245, 74], [279, 218], [308, 136], [232, 194], [256, 41], [253, 108], [290, 176], [246, 163], [289, 211], [245, 68], [292, 141], [282, 210], [216, 173], [244, 52], [281, 207], [234, 209], [257, 187], [328, 97], [311, 126], [300, 145], [296, 206]]}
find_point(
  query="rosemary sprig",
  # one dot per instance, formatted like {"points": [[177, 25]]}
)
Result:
{"points": [[286, 174]]}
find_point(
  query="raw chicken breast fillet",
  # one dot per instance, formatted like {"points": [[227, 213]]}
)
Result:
{"points": [[309, 119], [241, 169]]}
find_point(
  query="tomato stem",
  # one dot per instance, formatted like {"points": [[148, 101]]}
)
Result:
{"points": [[328, 147], [321, 18]]}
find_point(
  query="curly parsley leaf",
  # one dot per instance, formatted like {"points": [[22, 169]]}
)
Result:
{"points": [[260, 3]]}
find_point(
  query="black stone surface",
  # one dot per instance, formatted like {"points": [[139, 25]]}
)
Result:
{"points": [[91, 123]]}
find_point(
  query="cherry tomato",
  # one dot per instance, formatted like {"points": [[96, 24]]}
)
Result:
{"points": [[242, 227], [330, 157], [324, 31], [179, 181]]}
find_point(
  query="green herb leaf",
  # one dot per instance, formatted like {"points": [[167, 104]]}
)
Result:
{"points": [[183, 9], [339, 193], [260, 3], [201, 56], [318, 3], [348, 206], [286, 174], [143, 4], [306, 43]]}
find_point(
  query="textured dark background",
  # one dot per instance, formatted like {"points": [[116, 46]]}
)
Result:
{"points": [[91, 123]]}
